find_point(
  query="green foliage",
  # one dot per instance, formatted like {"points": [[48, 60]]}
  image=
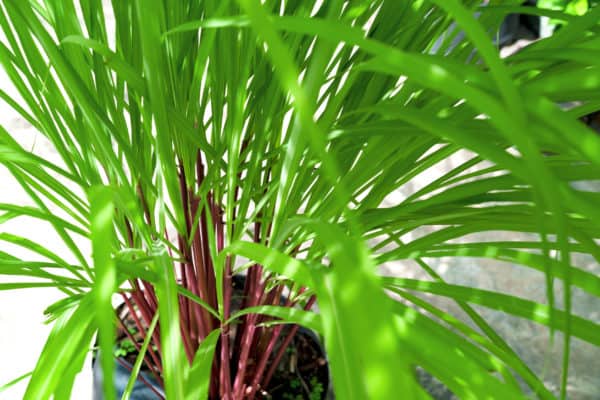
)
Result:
{"points": [[125, 347], [576, 7], [316, 389], [264, 137]]}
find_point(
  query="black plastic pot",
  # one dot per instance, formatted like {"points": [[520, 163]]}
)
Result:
{"points": [[141, 389]]}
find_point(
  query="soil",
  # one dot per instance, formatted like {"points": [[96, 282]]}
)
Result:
{"points": [[302, 372]]}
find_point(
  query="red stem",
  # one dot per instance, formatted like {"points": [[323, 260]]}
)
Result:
{"points": [[142, 330], [185, 333], [225, 370], [193, 271], [146, 312], [225, 375], [245, 331], [210, 271], [141, 378], [150, 295], [199, 281], [204, 254], [129, 232], [153, 368], [147, 212], [256, 342], [194, 313], [182, 241]]}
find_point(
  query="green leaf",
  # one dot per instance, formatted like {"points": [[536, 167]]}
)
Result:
{"points": [[197, 380], [70, 337], [274, 260], [170, 334], [103, 240], [288, 315], [140, 359], [353, 306], [540, 313]]}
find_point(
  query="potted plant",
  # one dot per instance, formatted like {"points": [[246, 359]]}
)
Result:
{"points": [[205, 141]]}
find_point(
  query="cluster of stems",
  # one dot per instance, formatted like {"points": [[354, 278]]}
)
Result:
{"points": [[247, 355]]}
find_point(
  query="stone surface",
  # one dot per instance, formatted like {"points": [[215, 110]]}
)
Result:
{"points": [[530, 340]]}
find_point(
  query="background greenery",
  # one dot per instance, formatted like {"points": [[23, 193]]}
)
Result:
{"points": [[307, 117]]}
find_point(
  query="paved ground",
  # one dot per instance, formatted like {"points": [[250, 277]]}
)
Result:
{"points": [[530, 340]]}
